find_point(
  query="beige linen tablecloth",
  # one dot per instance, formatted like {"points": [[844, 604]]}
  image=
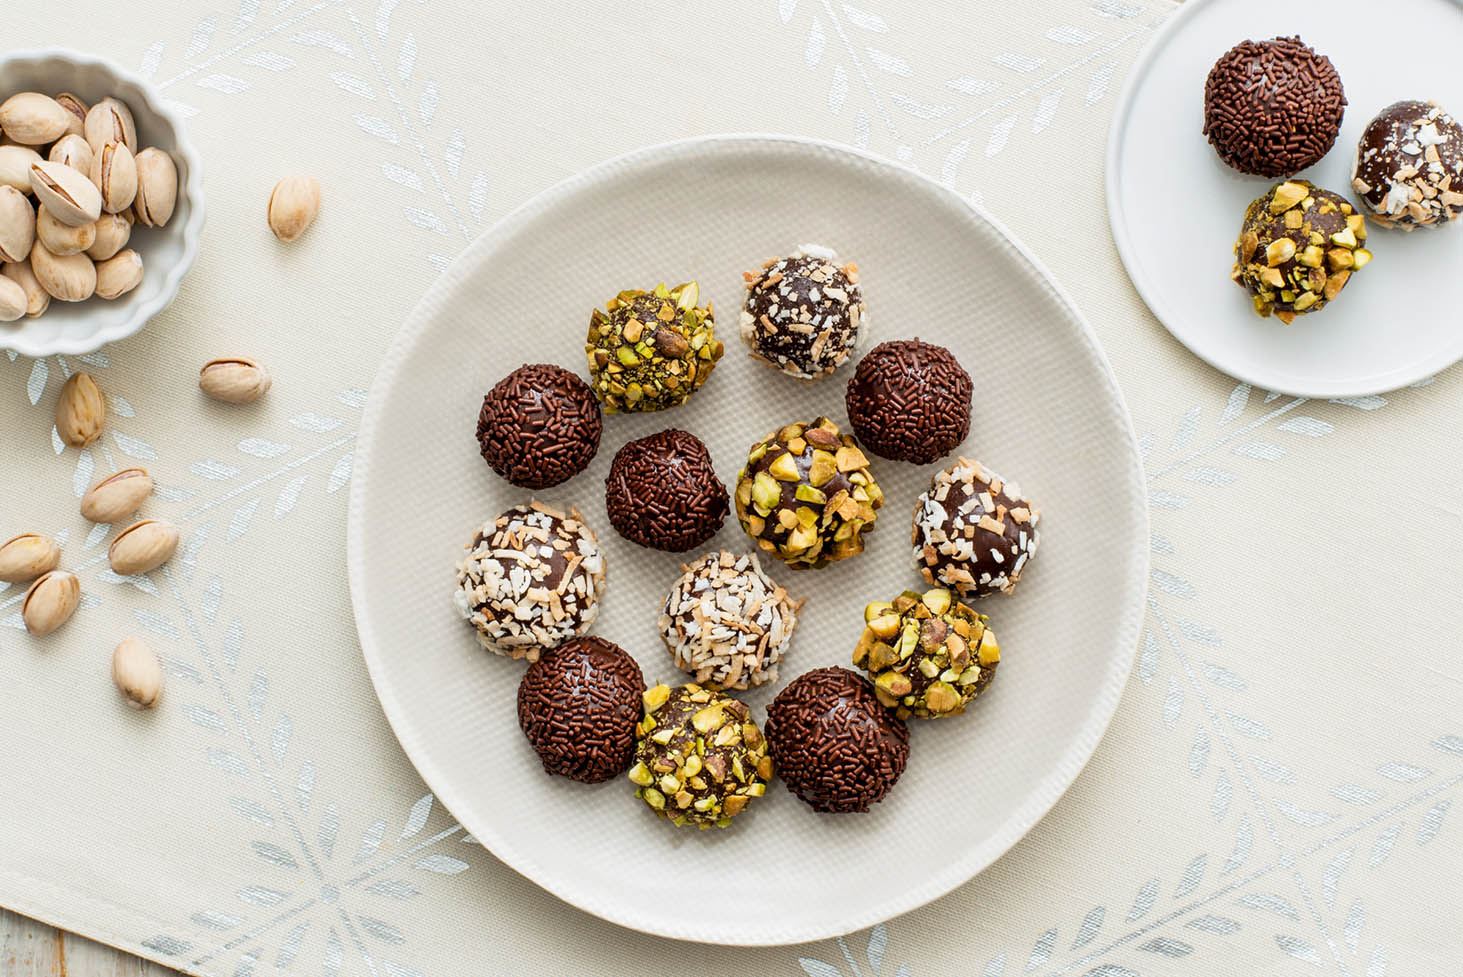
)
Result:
{"points": [[1273, 797]]}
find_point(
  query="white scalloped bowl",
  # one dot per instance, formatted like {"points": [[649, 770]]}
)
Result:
{"points": [[167, 252]]}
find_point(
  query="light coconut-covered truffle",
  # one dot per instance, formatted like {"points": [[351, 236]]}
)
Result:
{"points": [[804, 313], [1409, 166], [973, 531], [928, 654]]}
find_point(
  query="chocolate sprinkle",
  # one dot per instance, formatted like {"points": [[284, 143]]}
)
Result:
{"points": [[834, 745], [579, 705], [539, 426], [1272, 108], [910, 401], [663, 492]]}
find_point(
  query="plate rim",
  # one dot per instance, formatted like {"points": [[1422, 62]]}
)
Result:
{"points": [[1395, 379], [1038, 803]]}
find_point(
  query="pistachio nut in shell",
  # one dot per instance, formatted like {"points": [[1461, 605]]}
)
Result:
{"points": [[50, 602], [117, 496], [62, 239], [15, 164], [143, 547], [67, 193], [234, 380], [33, 119], [109, 121], [113, 232], [72, 151], [67, 278], [37, 299], [293, 206], [114, 172], [17, 225], [27, 556], [137, 673], [119, 274], [12, 300], [81, 411], [157, 187], [77, 109]]}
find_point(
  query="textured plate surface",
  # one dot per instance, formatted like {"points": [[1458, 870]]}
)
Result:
{"points": [[1047, 414], [1176, 208]]}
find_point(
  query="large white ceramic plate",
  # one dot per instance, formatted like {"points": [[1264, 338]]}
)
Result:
{"points": [[1176, 209], [1046, 413]]}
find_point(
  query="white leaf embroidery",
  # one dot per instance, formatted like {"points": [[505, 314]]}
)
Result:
{"points": [[878, 943], [81, 475], [1193, 875], [1309, 426], [288, 497], [1016, 61], [953, 160], [401, 176], [1403, 773], [1361, 403], [305, 785], [1432, 821], [1091, 925], [477, 195], [1302, 816], [1270, 902], [329, 829], [425, 219], [1041, 952], [1248, 727], [1068, 34], [785, 9], [1223, 794], [1199, 752], [202, 37], [1000, 133], [258, 895], [268, 60], [452, 154], [1355, 920], [406, 59], [1168, 947], [323, 39], [1170, 584], [970, 85], [233, 643], [1144, 901], [1173, 703], [35, 384], [340, 474], [817, 968], [96, 536], [319, 423], [442, 864], [227, 84], [1223, 677], [837, 89], [352, 84], [1239, 399], [417, 818], [215, 470], [239, 524], [134, 447], [1331, 878], [383, 17], [1148, 658], [1098, 85], [1259, 450], [427, 104], [152, 59], [376, 126], [1046, 110], [1207, 923], [393, 889], [865, 20], [918, 109], [260, 448], [1356, 794], [1298, 948], [279, 740], [1383, 846], [370, 841], [1244, 840], [813, 49], [890, 63], [274, 854]]}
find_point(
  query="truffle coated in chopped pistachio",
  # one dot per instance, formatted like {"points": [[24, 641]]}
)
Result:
{"points": [[651, 350], [928, 654]]}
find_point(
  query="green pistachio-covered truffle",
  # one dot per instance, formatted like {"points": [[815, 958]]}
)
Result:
{"points": [[651, 350], [806, 495], [928, 654], [699, 758]]}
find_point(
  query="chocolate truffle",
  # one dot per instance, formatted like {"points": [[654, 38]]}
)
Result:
{"points": [[973, 532], [1272, 108], [539, 426], [807, 496], [803, 313], [835, 745], [726, 623], [1409, 166], [579, 705], [928, 654], [662, 492], [531, 580], [909, 401], [1297, 249], [651, 350], [699, 757]]}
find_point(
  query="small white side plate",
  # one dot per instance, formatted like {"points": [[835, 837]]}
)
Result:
{"points": [[1176, 208]]}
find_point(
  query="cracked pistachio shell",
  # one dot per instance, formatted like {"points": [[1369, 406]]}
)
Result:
{"points": [[119, 274], [143, 547], [72, 151], [77, 109], [113, 231], [157, 187], [50, 602], [61, 239], [109, 121], [234, 380], [70, 196], [137, 673], [17, 225], [80, 410], [37, 299], [33, 119], [15, 164], [27, 556], [114, 172], [66, 278], [13, 300], [293, 206], [117, 496]]}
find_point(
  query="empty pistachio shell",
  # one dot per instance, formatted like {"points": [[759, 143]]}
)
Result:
{"points": [[80, 410], [37, 299], [61, 239], [15, 164], [72, 151], [113, 232], [17, 225], [77, 109], [70, 196], [293, 206], [114, 172], [27, 556], [137, 673], [12, 300], [109, 121], [119, 274], [143, 547], [33, 119], [234, 380], [50, 602], [117, 496], [67, 278]]}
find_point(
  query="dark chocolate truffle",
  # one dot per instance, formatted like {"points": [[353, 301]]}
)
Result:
{"points": [[1297, 249], [539, 426], [929, 655], [835, 745], [1272, 108], [662, 492], [973, 532], [579, 705], [803, 313], [909, 401], [651, 350], [1409, 166]]}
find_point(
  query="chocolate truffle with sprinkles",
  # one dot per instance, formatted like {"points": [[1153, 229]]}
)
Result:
{"points": [[834, 743], [539, 426], [973, 531], [909, 401], [804, 312], [699, 757], [726, 623], [651, 350], [531, 580], [928, 654], [1297, 249], [1409, 166], [1272, 108], [663, 492], [579, 705]]}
